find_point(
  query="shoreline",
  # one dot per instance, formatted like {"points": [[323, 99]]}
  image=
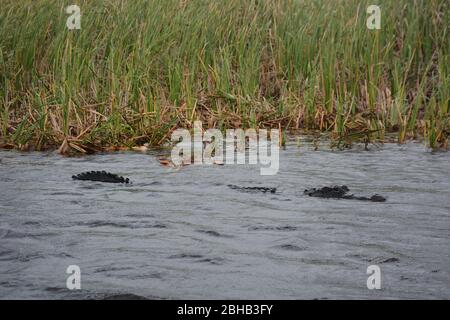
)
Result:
{"points": [[310, 136]]}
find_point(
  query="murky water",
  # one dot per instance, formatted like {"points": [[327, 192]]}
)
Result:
{"points": [[185, 234]]}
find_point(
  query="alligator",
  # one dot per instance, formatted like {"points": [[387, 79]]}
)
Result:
{"points": [[253, 189], [101, 176], [340, 192], [336, 192]]}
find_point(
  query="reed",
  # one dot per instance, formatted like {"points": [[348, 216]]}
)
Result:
{"points": [[138, 69]]}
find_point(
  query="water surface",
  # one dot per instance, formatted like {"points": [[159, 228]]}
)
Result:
{"points": [[176, 234]]}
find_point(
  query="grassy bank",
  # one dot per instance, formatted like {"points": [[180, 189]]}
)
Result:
{"points": [[138, 69]]}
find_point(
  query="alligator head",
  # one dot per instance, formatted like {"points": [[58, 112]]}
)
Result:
{"points": [[340, 192]]}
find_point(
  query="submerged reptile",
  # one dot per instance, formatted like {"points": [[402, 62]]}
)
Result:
{"points": [[101, 176], [336, 192], [340, 192], [253, 189]]}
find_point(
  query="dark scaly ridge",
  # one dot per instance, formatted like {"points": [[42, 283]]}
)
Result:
{"points": [[253, 189], [340, 192], [101, 176]]}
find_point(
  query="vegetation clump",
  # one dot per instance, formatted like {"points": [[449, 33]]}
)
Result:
{"points": [[136, 70]]}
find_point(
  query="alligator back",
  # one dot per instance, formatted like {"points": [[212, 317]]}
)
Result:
{"points": [[253, 189], [101, 176]]}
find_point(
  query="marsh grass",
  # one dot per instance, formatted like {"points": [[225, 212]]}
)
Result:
{"points": [[139, 69]]}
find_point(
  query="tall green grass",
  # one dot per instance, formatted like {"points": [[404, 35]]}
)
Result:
{"points": [[138, 69]]}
